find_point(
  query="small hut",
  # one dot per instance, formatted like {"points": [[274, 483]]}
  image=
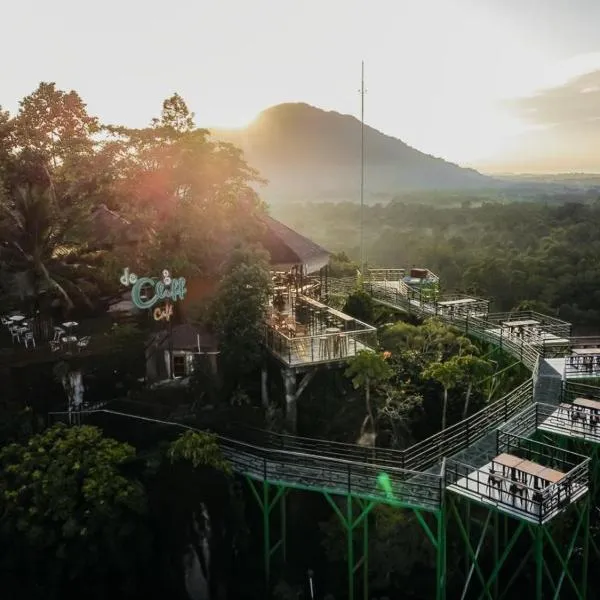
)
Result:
{"points": [[171, 353]]}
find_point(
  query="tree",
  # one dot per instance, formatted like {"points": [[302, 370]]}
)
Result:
{"points": [[364, 369], [191, 502], [41, 250], [239, 312], [65, 500], [55, 124], [474, 369], [360, 305], [448, 374]]}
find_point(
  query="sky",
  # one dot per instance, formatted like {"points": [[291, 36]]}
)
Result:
{"points": [[501, 85]]}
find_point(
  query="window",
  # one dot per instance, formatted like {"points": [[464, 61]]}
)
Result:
{"points": [[179, 365], [183, 364]]}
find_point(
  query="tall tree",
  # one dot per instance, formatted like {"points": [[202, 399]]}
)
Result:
{"points": [[474, 369], [368, 368], [448, 374], [55, 124], [239, 310], [73, 521]]}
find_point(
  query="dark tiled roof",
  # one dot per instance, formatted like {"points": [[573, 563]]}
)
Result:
{"points": [[185, 337], [288, 247]]}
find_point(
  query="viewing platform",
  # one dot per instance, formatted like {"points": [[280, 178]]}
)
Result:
{"points": [[308, 332], [526, 479], [584, 359]]}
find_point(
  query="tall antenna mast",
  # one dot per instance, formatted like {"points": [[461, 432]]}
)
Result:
{"points": [[362, 166]]}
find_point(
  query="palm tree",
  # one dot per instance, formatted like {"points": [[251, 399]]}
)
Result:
{"points": [[40, 251]]}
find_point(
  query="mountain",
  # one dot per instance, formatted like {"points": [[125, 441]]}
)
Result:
{"points": [[307, 153]]}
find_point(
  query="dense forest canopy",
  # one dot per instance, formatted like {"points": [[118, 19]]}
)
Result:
{"points": [[510, 253]]}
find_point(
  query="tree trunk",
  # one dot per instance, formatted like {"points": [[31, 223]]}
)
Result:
{"points": [[444, 407], [368, 404], [467, 398]]}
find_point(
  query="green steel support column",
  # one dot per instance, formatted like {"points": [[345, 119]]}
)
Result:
{"points": [[582, 507], [267, 504], [442, 521], [438, 541], [350, 524], [496, 535], [539, 562]]}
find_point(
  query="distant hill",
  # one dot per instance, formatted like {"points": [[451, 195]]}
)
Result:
{"points": [[307, 153]]}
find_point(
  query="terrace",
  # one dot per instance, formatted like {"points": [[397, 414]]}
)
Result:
{"points": [[584, 361], [526, 479], [547, 335], [303, 331], [461, 305], [29, 340]]}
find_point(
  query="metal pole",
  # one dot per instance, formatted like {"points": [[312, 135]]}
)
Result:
{"points": [[362, 167]]}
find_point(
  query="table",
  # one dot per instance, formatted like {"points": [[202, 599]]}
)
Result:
{"points": [[584, 351], [17, 318], [340, 315], [507, 461], [524, 323], [70, 340], [454, 302], [70, 324], [587, 403], [551, 475], [311, 302]]}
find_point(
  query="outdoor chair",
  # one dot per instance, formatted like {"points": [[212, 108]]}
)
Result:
{"points": [[28, 339], [83, 342]]}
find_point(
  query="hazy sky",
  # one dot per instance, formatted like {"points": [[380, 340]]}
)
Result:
{"points": [[453, 78]]}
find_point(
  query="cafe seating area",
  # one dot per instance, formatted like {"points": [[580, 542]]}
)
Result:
{"points": [[36, 339], [302, 330], [578, 419], [526, 479]]}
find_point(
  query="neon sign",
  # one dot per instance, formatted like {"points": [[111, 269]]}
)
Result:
{"points": [[169, 288]]}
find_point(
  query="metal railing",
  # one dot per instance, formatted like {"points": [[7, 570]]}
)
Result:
{"points": [[296, 468], [538, 505], [586, 366], [452, 440], [321, 347], [569, 420]]}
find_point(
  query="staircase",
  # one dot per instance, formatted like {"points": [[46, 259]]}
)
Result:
{"points": [[548, 386]]}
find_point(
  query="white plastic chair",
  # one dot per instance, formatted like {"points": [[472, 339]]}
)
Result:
{"points": [[27, 338]]}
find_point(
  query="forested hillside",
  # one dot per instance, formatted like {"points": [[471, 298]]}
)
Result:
{"points": [[509, 252]]}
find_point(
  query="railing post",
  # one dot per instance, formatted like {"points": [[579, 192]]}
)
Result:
{"points": [[505, 409], [467, 431], [467, 324], [349, 479]]}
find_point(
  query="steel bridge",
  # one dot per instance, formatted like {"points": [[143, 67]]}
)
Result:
{"points": [[443, 480]]}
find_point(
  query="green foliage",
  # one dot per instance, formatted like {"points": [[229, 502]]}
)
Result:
{"points": [[544, 251], [239, 311], [367, 366], [360, 305], [63, 495], [201, 449]]}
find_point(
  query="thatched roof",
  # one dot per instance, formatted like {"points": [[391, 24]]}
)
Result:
{"points": [[290, 249]]}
